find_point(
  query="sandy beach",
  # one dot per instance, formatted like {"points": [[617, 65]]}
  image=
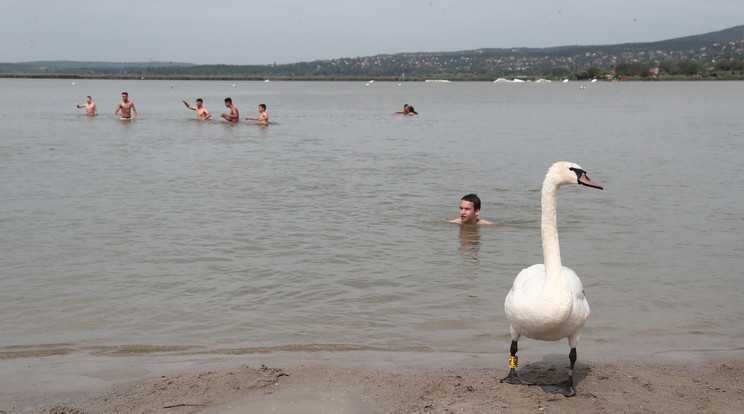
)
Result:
{"points": [[402, 384]]}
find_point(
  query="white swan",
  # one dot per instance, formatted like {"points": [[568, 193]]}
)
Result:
{"points": [[547, 300]]}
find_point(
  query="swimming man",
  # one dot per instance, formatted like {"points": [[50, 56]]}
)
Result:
{"points": [[201, 113], [233, 115], [470, 206], [263, 118], [90, 107], [403, 111], [125, 106]]}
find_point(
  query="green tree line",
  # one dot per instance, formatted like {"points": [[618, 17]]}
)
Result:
{"points": [[671, 66]]}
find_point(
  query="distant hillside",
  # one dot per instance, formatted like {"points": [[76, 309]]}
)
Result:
{"points": [[71, 64], [681, 43], [696, 54]]}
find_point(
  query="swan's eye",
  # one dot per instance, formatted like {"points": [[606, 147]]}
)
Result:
{"points": [[578, 172]]}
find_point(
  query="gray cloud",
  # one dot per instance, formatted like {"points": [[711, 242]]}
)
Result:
{"points": [[286, 31]]}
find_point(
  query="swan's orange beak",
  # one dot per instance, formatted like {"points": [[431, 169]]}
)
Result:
{"points": [[583, 179]]}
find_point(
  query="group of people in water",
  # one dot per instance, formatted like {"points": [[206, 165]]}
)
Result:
{"points": [[126, 109], [234, 115], [470, 204]]}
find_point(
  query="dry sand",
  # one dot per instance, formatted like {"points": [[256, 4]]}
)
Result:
{"points": [[707, 387]]}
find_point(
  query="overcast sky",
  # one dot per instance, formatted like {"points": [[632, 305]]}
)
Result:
{"points": [[286, 31]]}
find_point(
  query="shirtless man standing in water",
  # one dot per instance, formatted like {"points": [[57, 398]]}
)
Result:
{"points": [[262, 119], [233, 116], [201, 113], [89, 106], [125, 106]]}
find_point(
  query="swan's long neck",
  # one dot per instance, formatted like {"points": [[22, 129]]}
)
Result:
{"points": [[549, 226]]}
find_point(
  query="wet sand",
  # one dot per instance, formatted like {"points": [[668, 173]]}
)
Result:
{"points": [[402, 384]]}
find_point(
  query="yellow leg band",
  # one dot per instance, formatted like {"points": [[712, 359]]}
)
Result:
{"points": [[513, 362]]}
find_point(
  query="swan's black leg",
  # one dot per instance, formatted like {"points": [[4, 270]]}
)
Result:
{"points": [[513, 378], [566, 388]]}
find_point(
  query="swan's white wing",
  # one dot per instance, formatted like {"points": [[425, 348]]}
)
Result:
{"points": [[519, 301], [580, 312]]}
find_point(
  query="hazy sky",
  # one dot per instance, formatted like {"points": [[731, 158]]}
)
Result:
{"points": [[287, 31]]}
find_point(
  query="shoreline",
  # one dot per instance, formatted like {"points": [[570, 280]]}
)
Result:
{"points": [[362, 382], [256, 78]]}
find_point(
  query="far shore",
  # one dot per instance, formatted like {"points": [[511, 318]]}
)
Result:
{"points": [[348, 79]]}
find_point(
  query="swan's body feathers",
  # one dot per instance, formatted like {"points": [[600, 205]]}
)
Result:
{"points": [[546, 317]]}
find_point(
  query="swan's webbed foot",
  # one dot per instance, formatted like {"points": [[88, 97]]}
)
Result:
{"points": [[566, 388], [515, 379]]}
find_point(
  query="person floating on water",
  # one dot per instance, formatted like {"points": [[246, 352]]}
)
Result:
{"points": [[89, 106], [201, 112], [263, 118], [470, 206], [407, 110], [125, 106], [233, 115], [403, 111]]}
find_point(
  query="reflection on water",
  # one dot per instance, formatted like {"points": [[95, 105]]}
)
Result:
{"points": [[469, 244]]}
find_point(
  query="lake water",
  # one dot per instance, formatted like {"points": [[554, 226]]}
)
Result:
{"points": [[327, 230]]}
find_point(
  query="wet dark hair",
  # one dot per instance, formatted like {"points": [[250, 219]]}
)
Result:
{"points": [[473, 198], [88, 97], [199, 100], [262, 106], [228, 100], [125, 93], [410, 110]]}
